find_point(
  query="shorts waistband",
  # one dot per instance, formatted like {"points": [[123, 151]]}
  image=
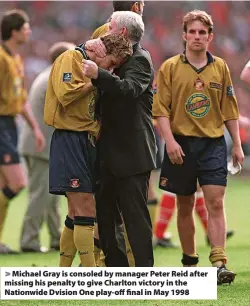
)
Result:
{"points": [[90, 136]]}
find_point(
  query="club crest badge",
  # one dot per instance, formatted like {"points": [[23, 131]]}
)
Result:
{"points": [[199, 84], [74, 183]]}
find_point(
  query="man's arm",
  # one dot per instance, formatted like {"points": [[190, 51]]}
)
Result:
{"points": [[162, 111], [237, 152], [230, 112], [136, 79], [28, 115], [245, 74], [174, 150]]}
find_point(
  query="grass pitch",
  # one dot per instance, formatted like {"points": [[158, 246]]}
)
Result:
{"points": [[238, 250]]}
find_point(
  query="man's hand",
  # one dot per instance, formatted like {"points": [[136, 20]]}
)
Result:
{"points": [[97, 46], [237, 155], [175, 152], [39, 139], [90, 69]]}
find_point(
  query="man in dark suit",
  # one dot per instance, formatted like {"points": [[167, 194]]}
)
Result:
{"points": [[127, 147]]}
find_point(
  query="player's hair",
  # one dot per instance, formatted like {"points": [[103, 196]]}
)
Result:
{"points": [[58, 48], [202, 16], [12, 20], [123, 5], [117, 45], [132, 22]]}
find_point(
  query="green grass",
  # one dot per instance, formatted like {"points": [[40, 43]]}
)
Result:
{"points": [[238, 250]]}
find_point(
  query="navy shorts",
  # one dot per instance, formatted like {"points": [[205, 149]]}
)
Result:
{"points": [[8, 141], [72, 163], [205, 159]]}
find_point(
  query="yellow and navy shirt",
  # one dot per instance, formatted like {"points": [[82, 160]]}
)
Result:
{"points": [[197, 102], [101, 31], [70, 97], [12, 92]]}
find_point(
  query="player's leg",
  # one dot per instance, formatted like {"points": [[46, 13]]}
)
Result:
{"points": [[84, 216], [67, 244], [15, 180], [166, 211], [98, 253], [12, 173], [181, 180], [38, 194], [201, 211], [186, 229], [213, 180], [214, 196], [200, 207], [71, 172]]}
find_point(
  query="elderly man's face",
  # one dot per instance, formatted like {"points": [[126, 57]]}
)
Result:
{"points": [[115, 29]]}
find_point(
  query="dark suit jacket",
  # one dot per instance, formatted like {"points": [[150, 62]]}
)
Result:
{"points": [[127, 141]]}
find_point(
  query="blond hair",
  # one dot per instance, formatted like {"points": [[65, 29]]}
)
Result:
{"points": [[201, 16], [117, 45]]}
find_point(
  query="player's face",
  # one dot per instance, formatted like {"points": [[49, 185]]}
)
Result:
{"points": [[197, 37], [109, 62], [22, 36]]}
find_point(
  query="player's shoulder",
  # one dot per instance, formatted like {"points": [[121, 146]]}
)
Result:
{"points": [[101, 31], [69, 55], [218, 61], [172, 61]]}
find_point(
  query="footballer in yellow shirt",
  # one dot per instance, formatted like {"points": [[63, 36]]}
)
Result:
{"points": [[70, 109], [194, 100]]}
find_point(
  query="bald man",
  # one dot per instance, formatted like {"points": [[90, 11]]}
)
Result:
{"points": [[42, 207]]}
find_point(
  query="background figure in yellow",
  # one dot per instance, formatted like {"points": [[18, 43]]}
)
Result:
{"points": [[70, 109], [194, 100], [15, 31]]}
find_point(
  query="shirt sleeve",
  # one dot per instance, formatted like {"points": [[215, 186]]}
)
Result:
{"points": [[229, 105], [136, 79], [4, 81], [67, 79], [163, 92]]}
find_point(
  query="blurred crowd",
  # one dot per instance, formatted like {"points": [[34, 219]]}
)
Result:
{"points": [[53, 21]]}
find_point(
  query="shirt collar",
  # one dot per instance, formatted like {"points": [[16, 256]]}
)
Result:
{"points": [[6, 49], [210, 58], [82, 49]]}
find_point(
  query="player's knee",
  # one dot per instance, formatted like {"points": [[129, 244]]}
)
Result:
{"points": [[85, 206], [185, 205], [87, 210], [215, 207]]}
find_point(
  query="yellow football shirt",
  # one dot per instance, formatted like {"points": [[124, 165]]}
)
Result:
{"points": [[70, 97], [197, 102], [12, 92]]}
